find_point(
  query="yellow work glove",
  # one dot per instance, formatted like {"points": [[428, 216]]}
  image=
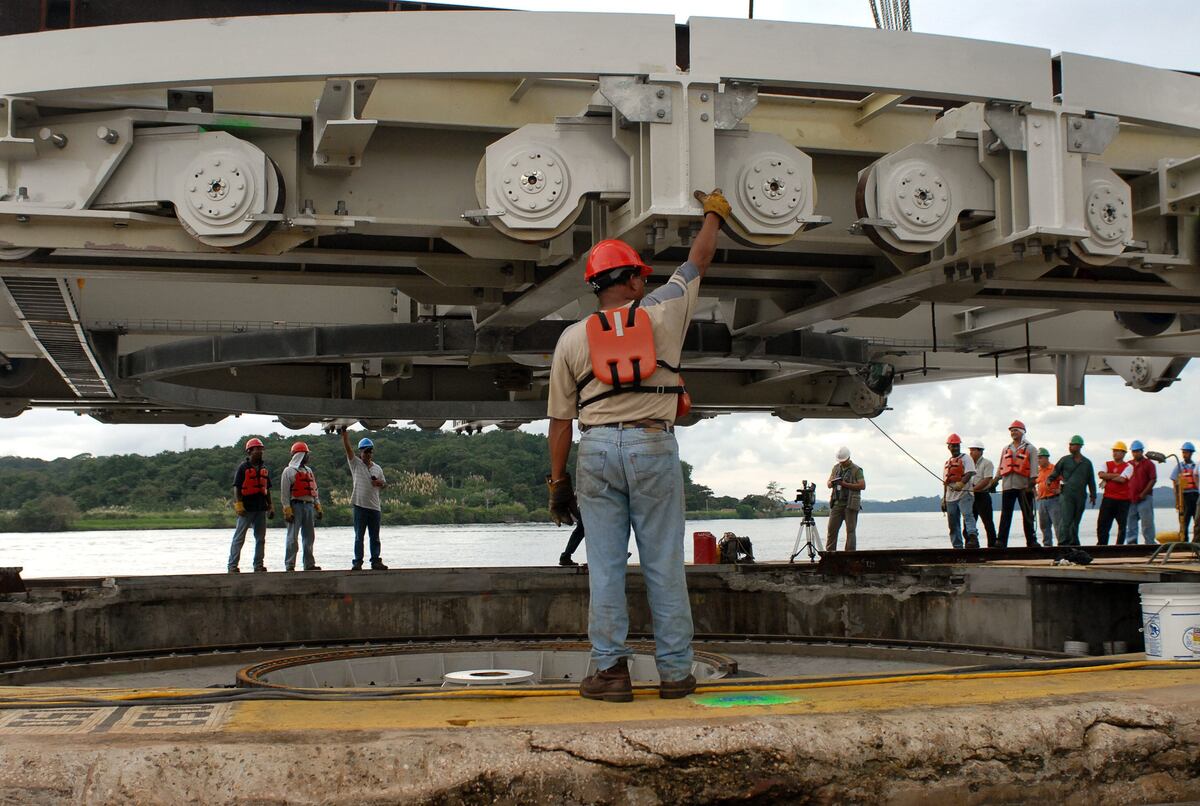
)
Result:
{"points": [[562, 500], [317, 507], [239, 508], [287, 514], [714, 202]]}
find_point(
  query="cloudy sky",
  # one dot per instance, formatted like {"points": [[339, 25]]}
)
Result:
{"points": [[739, 454]]}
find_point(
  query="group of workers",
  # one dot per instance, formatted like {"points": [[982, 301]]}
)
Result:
{"points": [[1057, 493], [254, 505]]}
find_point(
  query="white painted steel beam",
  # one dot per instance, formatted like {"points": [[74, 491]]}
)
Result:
{"points": [[845, 58], [1131, 91], [381, 44]]}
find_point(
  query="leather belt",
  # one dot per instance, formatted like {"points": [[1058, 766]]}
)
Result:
{"points": [[647, 425]]}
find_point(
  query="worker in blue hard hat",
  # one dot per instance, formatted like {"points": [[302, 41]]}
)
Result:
{"points": [[368, 480], [1141, 486], [1186, 478]]}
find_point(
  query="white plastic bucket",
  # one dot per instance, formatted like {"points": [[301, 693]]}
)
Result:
{"points": [[1171, 620]]}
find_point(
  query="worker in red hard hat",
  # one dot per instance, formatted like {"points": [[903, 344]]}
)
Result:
{"points": [[1018, 475], [253, 505], [617, 372], [958, 501], [301, 508]]}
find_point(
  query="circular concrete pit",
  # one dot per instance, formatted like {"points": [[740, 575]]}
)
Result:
{"points": [[423, 664]]}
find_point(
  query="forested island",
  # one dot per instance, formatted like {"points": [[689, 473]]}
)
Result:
{"points": [[434, 478]]}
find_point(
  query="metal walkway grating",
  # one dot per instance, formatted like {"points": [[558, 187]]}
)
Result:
{"points": [[47, 311]]}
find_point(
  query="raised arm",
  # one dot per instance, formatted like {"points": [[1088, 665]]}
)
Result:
{"points": [[716, 208], [346, 443]]}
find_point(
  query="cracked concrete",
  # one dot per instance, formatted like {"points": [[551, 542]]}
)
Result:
{"points": [[1127, 746]]}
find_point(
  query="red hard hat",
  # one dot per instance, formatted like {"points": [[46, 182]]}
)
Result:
{"points": [[1017, 424], [954, 439], [253, 442], [299, 447], [613, 254]]}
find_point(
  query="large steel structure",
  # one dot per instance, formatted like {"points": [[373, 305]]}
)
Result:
{"points": [[383, 216]]}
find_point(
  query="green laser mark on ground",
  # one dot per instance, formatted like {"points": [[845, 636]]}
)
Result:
{"points": [[743, 700]]}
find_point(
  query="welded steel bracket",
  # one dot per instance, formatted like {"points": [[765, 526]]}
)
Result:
{"points": [[1090, 135], [1008, 124], [339, 134], [734, 103], [637, 101]]}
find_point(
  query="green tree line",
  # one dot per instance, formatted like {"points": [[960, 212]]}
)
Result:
{"points": [[434, 477]]}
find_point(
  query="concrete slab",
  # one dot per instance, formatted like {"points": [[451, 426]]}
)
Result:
{"points": [[1095, 737]]}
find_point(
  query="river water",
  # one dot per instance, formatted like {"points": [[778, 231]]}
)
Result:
{"points": [[204, 551]]}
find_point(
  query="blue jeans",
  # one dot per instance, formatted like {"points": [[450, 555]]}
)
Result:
{"points": [[366, 520], [303, 525], [960, 515], [1048, 517], [257, 520], [631, 477], [1141, 511]]}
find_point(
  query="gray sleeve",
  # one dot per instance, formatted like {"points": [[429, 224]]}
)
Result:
{"points": [[674, 288], [285, 484]]}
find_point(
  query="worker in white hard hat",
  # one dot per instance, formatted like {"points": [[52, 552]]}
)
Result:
{"points": [[847, 482], [981, 486]]}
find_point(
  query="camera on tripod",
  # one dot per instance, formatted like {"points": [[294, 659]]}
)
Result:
{"points": [[806, 497]]}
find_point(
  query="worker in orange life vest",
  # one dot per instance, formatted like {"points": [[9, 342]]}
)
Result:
{"points": [[1047, 497], [1186, 477], [301, 507], [617, 372], [253, 504], [1018, 472], [958, 502]]}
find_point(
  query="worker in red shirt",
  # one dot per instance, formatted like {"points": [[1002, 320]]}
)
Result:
{"points": [[1141, 485]]}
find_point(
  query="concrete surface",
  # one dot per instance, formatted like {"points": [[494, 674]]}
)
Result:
{"points": [[1110, 737], [1030, 606]]}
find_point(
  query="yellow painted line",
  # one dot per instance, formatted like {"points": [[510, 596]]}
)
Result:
{"points": [[272, 715]]}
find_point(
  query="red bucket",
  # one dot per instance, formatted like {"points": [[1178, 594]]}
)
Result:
{"points": [[704, 548]]}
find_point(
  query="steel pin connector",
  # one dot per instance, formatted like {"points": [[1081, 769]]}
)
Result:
{"points": [[58, 139]]}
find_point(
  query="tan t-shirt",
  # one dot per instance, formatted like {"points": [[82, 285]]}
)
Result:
{"points": [[670, 311]]}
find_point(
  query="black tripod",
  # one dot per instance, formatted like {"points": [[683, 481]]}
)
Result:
{"points": [[807, 532]]}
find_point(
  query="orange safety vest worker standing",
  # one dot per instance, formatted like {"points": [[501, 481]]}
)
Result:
{"points": [[1048, 501], [1017, 478], [1186, 476], [301, 508], [253, 505], [618, 374]]}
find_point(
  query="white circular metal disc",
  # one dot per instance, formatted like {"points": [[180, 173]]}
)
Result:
{"points": [[489, 677]]}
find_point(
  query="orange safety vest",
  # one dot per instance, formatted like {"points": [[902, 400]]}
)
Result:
{"points": [[1117, 490], [256, 482], [954, 470], [305, 484], [1189, 477], [1045, 488], [1015, 460], [621, 345]]}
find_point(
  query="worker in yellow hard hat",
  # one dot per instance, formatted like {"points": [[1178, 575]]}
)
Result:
{"points": [[1114, 506]]}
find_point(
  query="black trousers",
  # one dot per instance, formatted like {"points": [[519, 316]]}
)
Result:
{"points": [[1111, 509], [983, 511], [575, 539], [1008, 498]]}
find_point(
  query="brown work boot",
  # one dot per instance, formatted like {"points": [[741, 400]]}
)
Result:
{"points": [[675, 689], [611, 684]]}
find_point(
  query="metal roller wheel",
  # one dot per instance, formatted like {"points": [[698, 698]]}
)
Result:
{"points": [[225, 186], [527, 235]]}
